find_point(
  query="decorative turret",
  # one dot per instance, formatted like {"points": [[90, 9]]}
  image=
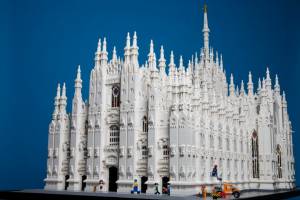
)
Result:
{"points": [[114, 55], [205, 31], [63, 101], [277, 86], [162, 60], [217, 59], [211, 55], [98, 52], [268, 80], [78, 81], [259, 86], [242, 91], [171, 65], [284, 103], [134, 50], [181, 68], [104, 53], [56, 102], [127, 50], [250, 84], [231, 86], [221, 63], [152, 57]]}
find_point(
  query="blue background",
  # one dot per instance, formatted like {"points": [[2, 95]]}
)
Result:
{"points": [[42, 42]]}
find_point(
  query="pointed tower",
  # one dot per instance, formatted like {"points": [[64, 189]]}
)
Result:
{"points": [[277, 86], [162, 61], [205, 31], [135, 51], [78, 138], [56, 103], [152, 57], [231, 86], [127, 50], [250, 85], [104, 54]]}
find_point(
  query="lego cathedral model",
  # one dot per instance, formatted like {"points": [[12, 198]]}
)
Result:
{"points": [[151, 125]]}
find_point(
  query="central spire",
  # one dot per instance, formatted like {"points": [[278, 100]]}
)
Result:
{"points": [[205, 31]]}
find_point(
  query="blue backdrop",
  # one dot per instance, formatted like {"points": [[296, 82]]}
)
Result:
{"points": [[42, 42]]}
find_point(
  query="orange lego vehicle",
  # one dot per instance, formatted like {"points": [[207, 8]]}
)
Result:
{"points": [[231, 189]]}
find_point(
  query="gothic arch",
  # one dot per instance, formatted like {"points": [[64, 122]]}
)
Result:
{"points": [[255, 155], [114, 135], [279, 163], [145, 124], [115, 96]]}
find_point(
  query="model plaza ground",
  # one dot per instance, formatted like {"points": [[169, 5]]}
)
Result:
{"points": [[158, 125]]}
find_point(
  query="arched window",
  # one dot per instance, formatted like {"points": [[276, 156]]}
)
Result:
{"points": [[144, 152], [145, 125], [115, 97], [114, 136], [165, 152], [255, 161], [279, 165]]}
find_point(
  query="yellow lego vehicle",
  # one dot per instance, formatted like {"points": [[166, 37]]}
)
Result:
{"points": [[225, 189], [231, 189]]}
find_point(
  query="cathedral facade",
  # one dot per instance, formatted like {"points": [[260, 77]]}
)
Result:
{"points": [[160, 124]]}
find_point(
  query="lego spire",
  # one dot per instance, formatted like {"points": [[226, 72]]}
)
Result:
{"points": [[104, 52], [268, 80], [205, 31], [172, 64], [134, 50], [63, 93], [128, 40], [78, 80], [152, 57], [56, 102], [99, 46], [127, 49], [162, 60], [231, 86], [134, 42], [284, 103], [221, 62], [98, 52], [277, 86], [63, 100], [58, 92], [250, 84], [217, 59], [114, 55], [242, 91], [259, 85], [181, 63], [104, 49]]}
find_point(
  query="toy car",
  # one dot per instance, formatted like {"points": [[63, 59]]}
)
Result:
{"points": [[217, 193], [231, 189]]}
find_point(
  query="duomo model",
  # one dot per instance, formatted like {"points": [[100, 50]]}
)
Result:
{"points": [[158, 125]]}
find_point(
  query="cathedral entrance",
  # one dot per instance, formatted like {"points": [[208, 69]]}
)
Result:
{"points": [[165, 181], [113, 177], [83, 183], [143, 184], [66, 182]]}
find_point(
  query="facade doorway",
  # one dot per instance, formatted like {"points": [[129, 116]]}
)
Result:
{"points": [[66, 182], [165, 181], [83, 183], [143, 184], [113, 177]]}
